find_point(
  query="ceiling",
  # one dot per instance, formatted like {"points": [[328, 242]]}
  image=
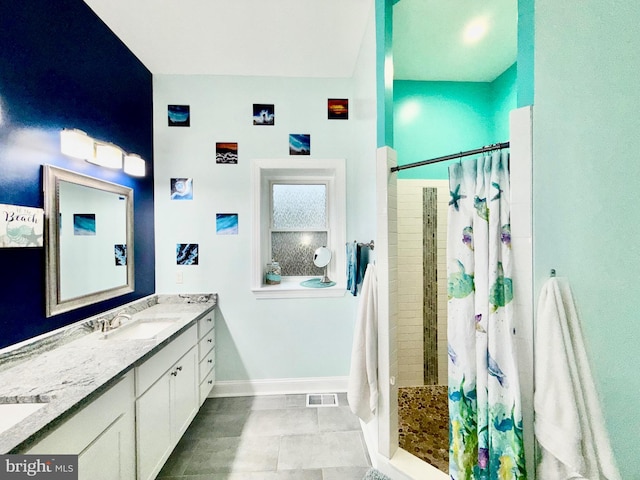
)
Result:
{"points": [[429, 39], [309, 38]]}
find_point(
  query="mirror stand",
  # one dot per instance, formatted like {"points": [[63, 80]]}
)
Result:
{"points": [[325, 278]]}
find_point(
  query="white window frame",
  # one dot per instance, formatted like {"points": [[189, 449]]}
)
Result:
{"points": [[265, 172]]}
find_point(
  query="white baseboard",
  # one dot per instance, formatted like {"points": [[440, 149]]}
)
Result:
{"points": [[279, 386]]}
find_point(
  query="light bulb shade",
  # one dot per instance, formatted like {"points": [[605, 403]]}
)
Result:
{"points": [[134, 165], [76, 143], [107, 155]]}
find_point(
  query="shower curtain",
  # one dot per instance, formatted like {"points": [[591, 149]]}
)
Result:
{"points": [[485, 439]]}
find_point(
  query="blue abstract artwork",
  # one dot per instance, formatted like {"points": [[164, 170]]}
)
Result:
{"points": [[120, 253], [84, 224], [299, 144], [264, 114], [226, 223], [182, 189], [179, 115], [187, 253]]}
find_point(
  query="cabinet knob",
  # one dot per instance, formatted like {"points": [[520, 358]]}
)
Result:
{"points": [[210, 382], [209, 319], [174, 373], [179, 368], [210, 360], [210, 340]]}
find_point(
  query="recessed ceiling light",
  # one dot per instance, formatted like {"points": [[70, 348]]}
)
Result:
{"points": [[475, 30]]}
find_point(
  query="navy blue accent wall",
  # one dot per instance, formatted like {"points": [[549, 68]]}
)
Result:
{"points": [[61, 67]]}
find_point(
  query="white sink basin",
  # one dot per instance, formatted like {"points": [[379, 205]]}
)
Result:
{"points": [[141, 329], [13, 413]]}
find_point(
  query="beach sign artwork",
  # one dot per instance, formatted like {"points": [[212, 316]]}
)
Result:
{"points": [[21, 226]]}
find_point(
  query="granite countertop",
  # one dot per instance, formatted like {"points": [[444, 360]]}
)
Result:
{"points": [[76, 366]]}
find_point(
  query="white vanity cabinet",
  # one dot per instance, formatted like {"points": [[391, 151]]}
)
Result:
{"points": [[166, 401], [206, 354], [102, 434]]}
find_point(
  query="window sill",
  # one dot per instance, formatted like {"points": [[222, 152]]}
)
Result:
{"points": [[293, 289]]}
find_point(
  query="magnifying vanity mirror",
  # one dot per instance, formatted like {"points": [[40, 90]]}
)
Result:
{"points": [[89, 232], [321, 258]]}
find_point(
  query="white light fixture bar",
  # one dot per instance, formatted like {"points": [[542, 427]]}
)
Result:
{"points": [[134, 165], [107, 155], [77, 144]]}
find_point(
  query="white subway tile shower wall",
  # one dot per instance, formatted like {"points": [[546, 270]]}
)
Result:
{"points": [[410, 280]]}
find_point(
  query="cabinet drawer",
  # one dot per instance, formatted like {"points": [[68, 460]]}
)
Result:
{"points": [[153, 368], [207, 363], [207, 385], [205, 324], [206, 344]]}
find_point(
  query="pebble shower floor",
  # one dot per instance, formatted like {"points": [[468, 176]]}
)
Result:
{"points": [[423, 414]]}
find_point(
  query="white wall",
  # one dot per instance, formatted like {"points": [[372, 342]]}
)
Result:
{"points": [[272, 338]]}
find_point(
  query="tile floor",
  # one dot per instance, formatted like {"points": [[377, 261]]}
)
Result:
{"points": [[273, 437]]}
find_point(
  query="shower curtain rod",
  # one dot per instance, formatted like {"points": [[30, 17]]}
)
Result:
{"points": [[495, 146]]}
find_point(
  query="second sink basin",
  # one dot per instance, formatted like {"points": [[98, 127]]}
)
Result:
{"points": [[141, 329]]}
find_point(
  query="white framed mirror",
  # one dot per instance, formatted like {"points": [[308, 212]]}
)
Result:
{"points": [[89, 235]]}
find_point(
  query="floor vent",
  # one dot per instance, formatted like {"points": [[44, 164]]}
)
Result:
{"points": [[322, 399]]}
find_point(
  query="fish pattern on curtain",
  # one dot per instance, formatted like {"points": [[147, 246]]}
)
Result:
{"points": [[485, 436]]}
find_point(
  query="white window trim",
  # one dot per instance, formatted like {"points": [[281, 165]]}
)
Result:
{"points": [[331, 171]]}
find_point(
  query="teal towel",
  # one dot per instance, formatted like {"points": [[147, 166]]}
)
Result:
{"points": [[352, 268]]}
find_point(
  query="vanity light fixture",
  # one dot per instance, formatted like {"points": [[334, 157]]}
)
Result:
{"points": [[76, 143], [134, 165], [107, 155]]}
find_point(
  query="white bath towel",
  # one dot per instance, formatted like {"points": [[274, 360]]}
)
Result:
{"points": [[362, 390], [569, 425]]}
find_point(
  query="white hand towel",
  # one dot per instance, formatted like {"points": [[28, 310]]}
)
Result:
{"points": [[362, 392], [569, 425]]}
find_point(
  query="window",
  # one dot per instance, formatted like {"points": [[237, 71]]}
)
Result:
{"points": [[299, 205], [299, 226]]}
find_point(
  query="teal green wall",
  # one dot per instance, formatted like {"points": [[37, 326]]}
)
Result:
{"points": [[432, 119], [384, 75], [525, 61], [504, 94], [586, 173]]}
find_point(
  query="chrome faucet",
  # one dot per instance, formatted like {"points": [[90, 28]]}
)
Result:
{"points": [[115, 322]]}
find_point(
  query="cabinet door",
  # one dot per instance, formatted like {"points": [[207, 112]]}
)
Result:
{"points": [[111, 456], [153, 427], [184, 392]]}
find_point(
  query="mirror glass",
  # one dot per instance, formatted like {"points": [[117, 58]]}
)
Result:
{"points": [[89, 250], [322, 257]]}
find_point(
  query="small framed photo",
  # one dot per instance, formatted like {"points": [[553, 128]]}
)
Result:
{"points": [[179, 115], [120, 253], [338, 109], [264, 114], [84, 224], [299, 144], [226, 223], [186, 254], [227, 152], [182, 189]]}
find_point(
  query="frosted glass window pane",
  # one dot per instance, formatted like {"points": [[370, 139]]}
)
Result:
{"points": [[294, 251], [299, 206]]}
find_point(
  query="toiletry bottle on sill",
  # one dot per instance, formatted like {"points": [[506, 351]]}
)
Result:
{"points": [[274, 273]]}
